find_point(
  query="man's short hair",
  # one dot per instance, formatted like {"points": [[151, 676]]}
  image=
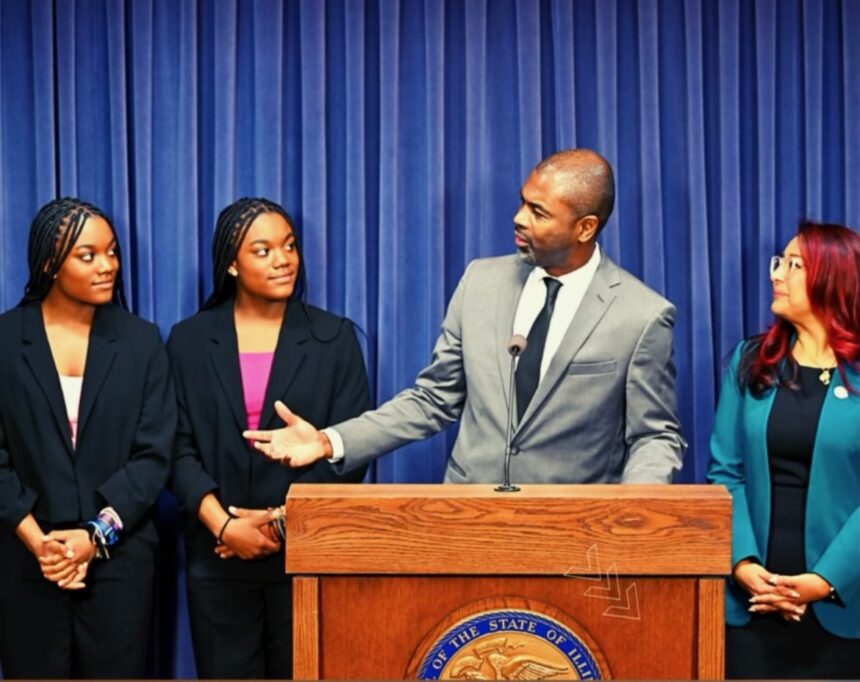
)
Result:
{"points": [[588, 180]]}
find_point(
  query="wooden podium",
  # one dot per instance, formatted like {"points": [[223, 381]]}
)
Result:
{"points": [[553, 582]]}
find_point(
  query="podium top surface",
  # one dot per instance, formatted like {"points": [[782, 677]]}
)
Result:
{"points": [[305, 491], [457, 529]]}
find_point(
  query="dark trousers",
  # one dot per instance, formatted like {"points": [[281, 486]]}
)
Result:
{"points": [[98, 632], [241, 629]]}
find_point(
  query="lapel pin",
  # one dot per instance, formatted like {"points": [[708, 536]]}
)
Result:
{"points": [[840, 392]]}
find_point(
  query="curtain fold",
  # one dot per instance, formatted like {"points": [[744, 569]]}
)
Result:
{"points": [[398, 133], [847, 89]]}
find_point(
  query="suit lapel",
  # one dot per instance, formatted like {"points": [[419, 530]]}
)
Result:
{"points": [[38, 358], [755, 418], [101, 352], [289, 355], [224, 356], [598, 297], [839, 411], [509, 290], [839, 424]]}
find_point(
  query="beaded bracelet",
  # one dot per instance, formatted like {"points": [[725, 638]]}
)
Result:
{"points": [[280, 529], [104, 531], [277, 522]]}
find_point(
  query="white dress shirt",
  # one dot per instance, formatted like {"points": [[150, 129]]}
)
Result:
{"points": [[573, 287], [71, 387]]}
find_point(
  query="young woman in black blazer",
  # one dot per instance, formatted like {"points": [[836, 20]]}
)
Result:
{"points": [[87, 419], [253, 342]]}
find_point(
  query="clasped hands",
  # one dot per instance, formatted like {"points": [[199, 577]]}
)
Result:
{"points": [[250, 534], [787, 595], [64, 557]]}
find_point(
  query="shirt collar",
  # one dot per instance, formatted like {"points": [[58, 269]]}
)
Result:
{"points": [[581, 277]]}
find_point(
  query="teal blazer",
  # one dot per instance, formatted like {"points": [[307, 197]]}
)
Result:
{"points": [[739, 461]]}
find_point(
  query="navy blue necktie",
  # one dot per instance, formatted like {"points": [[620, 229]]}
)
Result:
{"points": [[528, 366]]}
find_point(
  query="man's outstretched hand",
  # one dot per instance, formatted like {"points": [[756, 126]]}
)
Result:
{"points": [[297, 444]]}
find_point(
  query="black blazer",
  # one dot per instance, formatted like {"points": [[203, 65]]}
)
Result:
{"points": [[318, 371], [126, 425]]}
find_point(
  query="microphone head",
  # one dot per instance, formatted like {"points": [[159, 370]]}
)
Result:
{"points": [[517, 344]]}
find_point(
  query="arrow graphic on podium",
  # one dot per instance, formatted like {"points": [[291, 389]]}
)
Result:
{"points": [[609, 587]]}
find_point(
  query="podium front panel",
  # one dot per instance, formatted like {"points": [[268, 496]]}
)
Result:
{"points": [[559, 582]]}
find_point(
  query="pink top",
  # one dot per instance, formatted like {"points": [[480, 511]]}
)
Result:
{"points": [[255, 368]]}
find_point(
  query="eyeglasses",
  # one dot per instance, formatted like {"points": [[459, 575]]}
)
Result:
{"points": [[792, 264]]}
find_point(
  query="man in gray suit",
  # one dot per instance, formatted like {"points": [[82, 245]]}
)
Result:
{"points": [[595, 397]]}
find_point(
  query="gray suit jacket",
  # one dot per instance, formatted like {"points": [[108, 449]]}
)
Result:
{"points": [[605, 411]]}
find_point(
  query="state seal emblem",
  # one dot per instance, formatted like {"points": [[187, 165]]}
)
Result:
{"points": [[509, 644]]}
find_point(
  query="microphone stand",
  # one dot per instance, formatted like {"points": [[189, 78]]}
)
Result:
{"points": [[516, 346]]}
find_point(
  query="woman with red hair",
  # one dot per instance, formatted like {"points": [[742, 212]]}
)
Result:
{"points": [[786, 444]]}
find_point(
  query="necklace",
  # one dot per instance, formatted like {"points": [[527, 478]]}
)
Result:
{"points": [[802, 358], [826, 373]]}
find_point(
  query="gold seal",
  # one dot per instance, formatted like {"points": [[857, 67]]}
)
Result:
{"points": [[507, 638], [509, 657]]}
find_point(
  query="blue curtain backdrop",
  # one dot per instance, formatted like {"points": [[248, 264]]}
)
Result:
{"points": [[398, 133]]}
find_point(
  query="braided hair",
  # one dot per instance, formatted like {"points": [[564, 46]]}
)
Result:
{"points": [[230, 230], [53, 234]]}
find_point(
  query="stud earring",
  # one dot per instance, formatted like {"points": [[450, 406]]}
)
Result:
{"points": [[233, 272]]}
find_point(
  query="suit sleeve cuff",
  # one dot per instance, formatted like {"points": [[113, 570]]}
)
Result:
{"points": [[336, 441]]}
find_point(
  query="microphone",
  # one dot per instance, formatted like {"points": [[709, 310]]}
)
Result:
{"points": [[516, 346]]}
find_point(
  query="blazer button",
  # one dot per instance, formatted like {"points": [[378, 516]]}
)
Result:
{"points": [[515, 451]]}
